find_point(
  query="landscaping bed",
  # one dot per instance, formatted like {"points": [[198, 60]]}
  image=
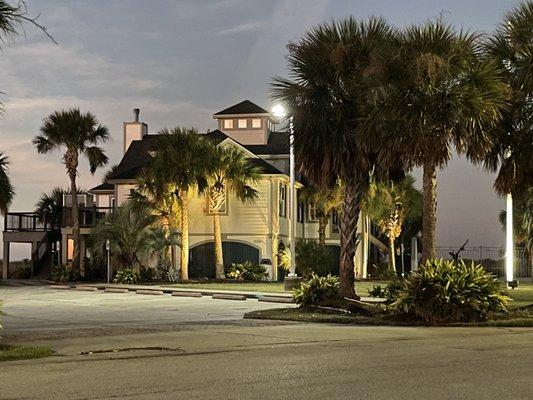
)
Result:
{"points": [[521, 317]]}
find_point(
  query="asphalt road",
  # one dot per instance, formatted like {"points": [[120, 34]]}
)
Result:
{"points": [[232, 359]]}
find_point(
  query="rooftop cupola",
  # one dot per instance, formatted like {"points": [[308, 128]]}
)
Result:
{"points": [[245, 122], [134, 130]]}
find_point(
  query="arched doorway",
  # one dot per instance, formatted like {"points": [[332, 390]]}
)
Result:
{"points": [[202, 257]]}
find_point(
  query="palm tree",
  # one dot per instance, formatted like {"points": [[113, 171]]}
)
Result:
{"points": [[510, 48], [7, 192], [79, 135], [326, 201], [49, 207], [389, 205], [126, 230], [156, 242], [232, 174], [333, 71], [184, 159], [444, 96], [160, 197]]}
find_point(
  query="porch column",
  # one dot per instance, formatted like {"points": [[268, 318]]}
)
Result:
{"points": [[5, 262]]}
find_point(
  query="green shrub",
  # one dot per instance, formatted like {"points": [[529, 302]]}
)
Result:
{"points": [[381, 272], [127, 275], [311, 257], [389, 292], [146, 274], [317, 289], [65, 273], [23, 272], [247, 271], [445, 291]]}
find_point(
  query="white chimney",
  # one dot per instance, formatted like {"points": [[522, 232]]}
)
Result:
{"points": [[134, 130]]}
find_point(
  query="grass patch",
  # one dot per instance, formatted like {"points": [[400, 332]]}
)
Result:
{"points": [[522, 295], [12, 352]]}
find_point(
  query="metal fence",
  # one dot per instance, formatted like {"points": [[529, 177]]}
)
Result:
{"points": [[492, 259]]}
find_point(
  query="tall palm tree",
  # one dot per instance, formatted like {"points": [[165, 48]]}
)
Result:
{"points": [[326, 201], [444, 96], [333, 70], [160, 197], [184, 158], [78, 135], [511, 156], [389, 204], [232, 174], [7, 192]]}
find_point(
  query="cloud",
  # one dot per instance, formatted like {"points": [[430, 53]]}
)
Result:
{"points": [[244, 27]]}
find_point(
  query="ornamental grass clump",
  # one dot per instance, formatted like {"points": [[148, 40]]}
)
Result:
{"points": [[317, 289], [127, 276], [443, 291]]}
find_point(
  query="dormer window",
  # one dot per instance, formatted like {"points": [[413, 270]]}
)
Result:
{"points": [[228, 124], [242, 124], [256, 123]]}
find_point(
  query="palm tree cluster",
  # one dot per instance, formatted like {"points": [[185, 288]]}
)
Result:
{"points": [[369, 100], [185, 163]]}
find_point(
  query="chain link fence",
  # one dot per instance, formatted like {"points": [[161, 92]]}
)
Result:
{"points": [[492, 259]]}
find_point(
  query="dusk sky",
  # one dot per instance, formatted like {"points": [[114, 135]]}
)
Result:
{"points": [[181, 61]]}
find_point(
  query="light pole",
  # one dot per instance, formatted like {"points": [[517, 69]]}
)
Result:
{"points": [[107, 247], [292, 279], [509, 239]]}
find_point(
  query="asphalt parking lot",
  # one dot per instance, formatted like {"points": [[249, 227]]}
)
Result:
{"points": [[42, 308]]}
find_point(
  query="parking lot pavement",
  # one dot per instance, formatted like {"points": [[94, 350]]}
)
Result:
{"points": [[41, 308]]}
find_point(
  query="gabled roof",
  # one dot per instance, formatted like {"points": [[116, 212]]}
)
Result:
{"points": [[278, 144], [138, 155], [104, 187], [244, 107]]}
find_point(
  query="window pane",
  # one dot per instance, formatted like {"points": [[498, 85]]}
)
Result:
{"points": [[242, 123], [228, 123], [282, 200], [256, 123]]}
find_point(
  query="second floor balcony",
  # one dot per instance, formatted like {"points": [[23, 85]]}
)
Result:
{"points": [[87, 216]]}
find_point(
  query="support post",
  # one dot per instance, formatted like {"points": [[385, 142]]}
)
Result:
{"points": [[5, 261], [414, 253]]}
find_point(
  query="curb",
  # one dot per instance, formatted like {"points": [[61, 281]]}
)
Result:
{"points": [[220, 296], [115, 290], [60, 287], [86, 288], [275, 299], [149, 292], [186, 294]]}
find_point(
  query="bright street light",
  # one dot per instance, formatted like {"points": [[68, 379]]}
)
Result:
{"points": [[279, 111]]}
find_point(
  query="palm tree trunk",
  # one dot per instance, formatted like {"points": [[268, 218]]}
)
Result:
{"points": [[184, 271], [392, 255], [76, 258], [349, 217], [429, 211], [219, 256], [322, 223]]}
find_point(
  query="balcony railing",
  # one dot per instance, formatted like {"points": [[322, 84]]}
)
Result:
{"points": [[87, 216], [29, 222]]}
